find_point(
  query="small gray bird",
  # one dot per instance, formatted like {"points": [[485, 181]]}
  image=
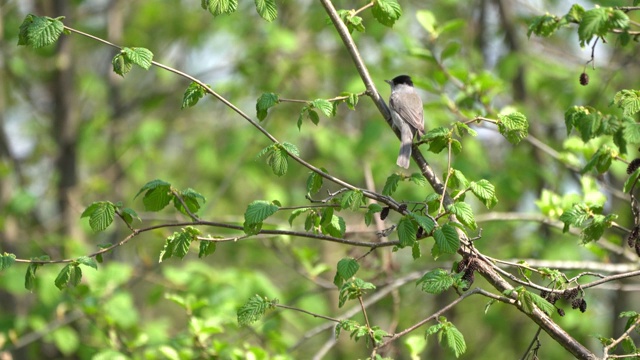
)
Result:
{"points": [[407, 115]]}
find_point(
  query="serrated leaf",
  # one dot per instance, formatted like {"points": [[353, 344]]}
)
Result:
{"points": [[6, 260], [100, 215], [336, 227], [347, 268], [485, 191], [540, 302], [424, 222], [139, 56], [454, 340], [406, 231], [206, 248], [418, 179], [514, 127], [39, 31], [415, 251], [391, 185], [129, 215], [446, 238], [594, 23], [258, 211], [631, 180], [267, 9], [157, 198], [544, 25], [121, 64], [464, 214], [193, 199], [436, 281], [254, 309], [628, 101], [63, 277], [265, 102], [314, 182], [30, 276], [352, 199], [219, 7], [192, 95], [87, 261], [353, 98], [386, 11], [295, 213], [326, 107], [371, 209], [152, 185]]}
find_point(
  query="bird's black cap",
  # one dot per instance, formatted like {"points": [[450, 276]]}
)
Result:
{"points": [[402, 79]]}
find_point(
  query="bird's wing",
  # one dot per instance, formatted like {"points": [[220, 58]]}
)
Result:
{"points": [[412, 114]]}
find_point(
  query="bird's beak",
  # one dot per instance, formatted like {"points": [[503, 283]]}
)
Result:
{"points": [[388, 82]]}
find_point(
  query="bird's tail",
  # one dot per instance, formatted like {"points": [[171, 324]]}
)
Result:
{"points": [[406, 139]]}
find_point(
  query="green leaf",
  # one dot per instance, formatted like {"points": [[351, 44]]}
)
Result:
{"points": [[336, 227], [425, 222], [121, 64], [87, 261], [6, 260], [391, 185], [153, 184], [267, 9], [178, 243], [206, 248], [418, 179], [352, 199], [576, 216], [353, 289], [514, 127], [458, 180], [386, 11], [464, 214], [277, 156], [100, 215], [193, 199], [256, 213], [631, 180], [314, 182], [446, 238], [353, 98], [30, 276], [371, 209], [454, 340], [529, 299], [575, 14], [139, 56], [346, 269], [406, 231], [594, 23], [485, 191], [265, 102], [415, 251], [544, 25], [63, 277], [326, 107], [158, 198], [254, 309], [628, 101], [219, 7], [39, 31], [192, 95], [436, 281], [295, 213], [631, 133], [129, 214]]}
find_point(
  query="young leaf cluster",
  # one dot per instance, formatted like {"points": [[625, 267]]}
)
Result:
{"points": [[254, 309], [159, 193], [101, 214], [448, 336], [438, 281], [127, 57], [596, 22], [589, 219], [277, 156], [178, 244]]}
